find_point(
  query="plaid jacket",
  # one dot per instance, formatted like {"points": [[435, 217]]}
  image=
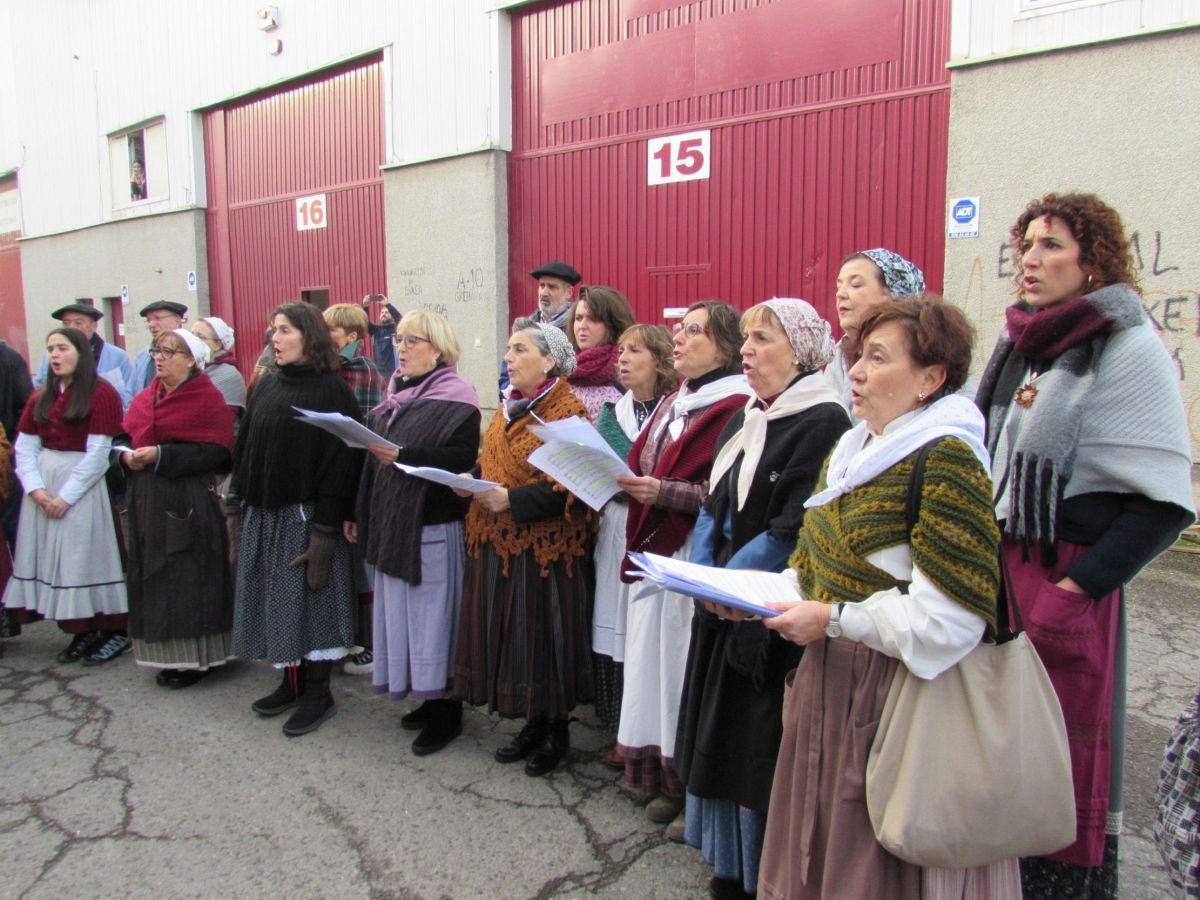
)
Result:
{"points": [[364, 379]]}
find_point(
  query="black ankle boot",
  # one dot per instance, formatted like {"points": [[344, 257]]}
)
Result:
{"points": [[283, 697], [549, 752], [527, 738], [444, 725], [417, 719], [316, 700]]}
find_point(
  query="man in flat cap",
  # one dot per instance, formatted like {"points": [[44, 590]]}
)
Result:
{"points": [[111, 363], [160, 316], [555, 289]]}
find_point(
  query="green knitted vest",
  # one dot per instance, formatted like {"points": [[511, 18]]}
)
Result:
{"points": [[610, 429], [955, 541]]}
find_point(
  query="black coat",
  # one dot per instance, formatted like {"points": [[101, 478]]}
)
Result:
{"points": [[730, 721]]}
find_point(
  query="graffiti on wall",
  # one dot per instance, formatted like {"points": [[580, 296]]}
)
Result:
{"points": [[1170, 296]]}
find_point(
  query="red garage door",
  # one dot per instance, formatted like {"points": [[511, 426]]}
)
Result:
{"points": [[295, 198], [826, 127]]}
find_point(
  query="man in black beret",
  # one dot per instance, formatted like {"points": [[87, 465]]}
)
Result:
{"points": [[160, 316], [111, 363], [555, 288]]}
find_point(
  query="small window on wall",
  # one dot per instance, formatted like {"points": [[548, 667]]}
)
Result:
{"points": [[138, 161]]}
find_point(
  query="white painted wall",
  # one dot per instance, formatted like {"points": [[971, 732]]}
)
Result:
{"points": [[78, 72], [981, 29]]}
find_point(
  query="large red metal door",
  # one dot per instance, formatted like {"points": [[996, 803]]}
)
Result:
{"points": [[12, 294], [268, 158], [828, 126]]}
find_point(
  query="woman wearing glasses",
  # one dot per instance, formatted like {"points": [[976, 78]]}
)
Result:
{"points": [[411, 530], [180, 586], [671, 460]]}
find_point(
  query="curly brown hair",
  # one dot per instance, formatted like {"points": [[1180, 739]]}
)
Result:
{"points": [[938, 334], [1104, 252]]}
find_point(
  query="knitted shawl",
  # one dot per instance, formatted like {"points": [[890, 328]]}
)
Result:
{"points": [[1107, 415], [195, 412], [689, 458], [955, 541], [505, 460]]}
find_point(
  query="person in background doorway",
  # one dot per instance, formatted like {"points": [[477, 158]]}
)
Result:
{"points": [[381, 334], [63, 444], [137, 181], [160, 316], [111, 363], [347, 328], [555, 284]]}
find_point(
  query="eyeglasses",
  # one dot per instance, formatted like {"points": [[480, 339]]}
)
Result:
{"points": [[409, 340], [691, 330], [164, 352]]}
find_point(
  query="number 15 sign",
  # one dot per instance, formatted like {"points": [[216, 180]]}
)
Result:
{"points": [[680, 157]]}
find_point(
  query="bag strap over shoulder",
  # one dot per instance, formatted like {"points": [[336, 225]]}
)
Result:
{"points": [[1005, 630]]}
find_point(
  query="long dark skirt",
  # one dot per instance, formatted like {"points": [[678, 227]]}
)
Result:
{"points": [[523, 645]]}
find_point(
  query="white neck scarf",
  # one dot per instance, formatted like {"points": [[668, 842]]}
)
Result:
{"points": [[688, 401], [752, 436], [627, 418], [854, 462]]}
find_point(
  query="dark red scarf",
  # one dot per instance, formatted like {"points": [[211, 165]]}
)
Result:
{"points": [[1047, 333], [195, 412], [595, 366]]}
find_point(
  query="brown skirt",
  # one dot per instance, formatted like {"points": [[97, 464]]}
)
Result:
{"points": [[819, 840], [523, 644]]}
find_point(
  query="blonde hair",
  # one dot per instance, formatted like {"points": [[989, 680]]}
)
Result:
{"points": [[347, 317], [435, 329]]}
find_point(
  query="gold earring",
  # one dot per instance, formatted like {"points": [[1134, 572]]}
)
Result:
{"points": [[1089, 281], [921, 397]]}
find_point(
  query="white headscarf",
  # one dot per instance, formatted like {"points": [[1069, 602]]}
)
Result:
{"points": [[198, 348], [222, 330]]}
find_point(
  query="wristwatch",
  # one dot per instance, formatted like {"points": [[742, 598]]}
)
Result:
{"points": [[834, 626]]}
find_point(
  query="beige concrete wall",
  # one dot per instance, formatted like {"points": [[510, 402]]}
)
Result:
{"points": [[1120, 119], [447, 251], [151, 254]]}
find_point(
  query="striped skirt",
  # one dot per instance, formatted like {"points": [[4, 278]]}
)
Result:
{"points": [[523, 644]]}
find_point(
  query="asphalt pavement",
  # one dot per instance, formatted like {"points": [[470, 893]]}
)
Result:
{"points": [[111, 786]]}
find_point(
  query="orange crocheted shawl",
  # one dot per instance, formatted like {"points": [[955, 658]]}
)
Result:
{"points": [[505, 460]]}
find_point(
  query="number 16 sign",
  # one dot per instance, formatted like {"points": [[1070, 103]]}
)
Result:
{"points": [[680, 157]]}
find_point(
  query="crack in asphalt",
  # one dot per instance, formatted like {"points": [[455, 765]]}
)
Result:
{"points": [[46, 689]]}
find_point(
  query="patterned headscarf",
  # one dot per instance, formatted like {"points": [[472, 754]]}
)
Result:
{"points": [[560, 348], [809, 334], [901, 277]]}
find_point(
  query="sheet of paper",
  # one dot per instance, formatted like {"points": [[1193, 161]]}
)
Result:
{"points": [[740, 588], [588, 474], [575, 431], [441, 476], [351, 433]]}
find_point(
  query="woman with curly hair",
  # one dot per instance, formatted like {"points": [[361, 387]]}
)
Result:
{"points": [[1092, 467], [598, 318]]}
